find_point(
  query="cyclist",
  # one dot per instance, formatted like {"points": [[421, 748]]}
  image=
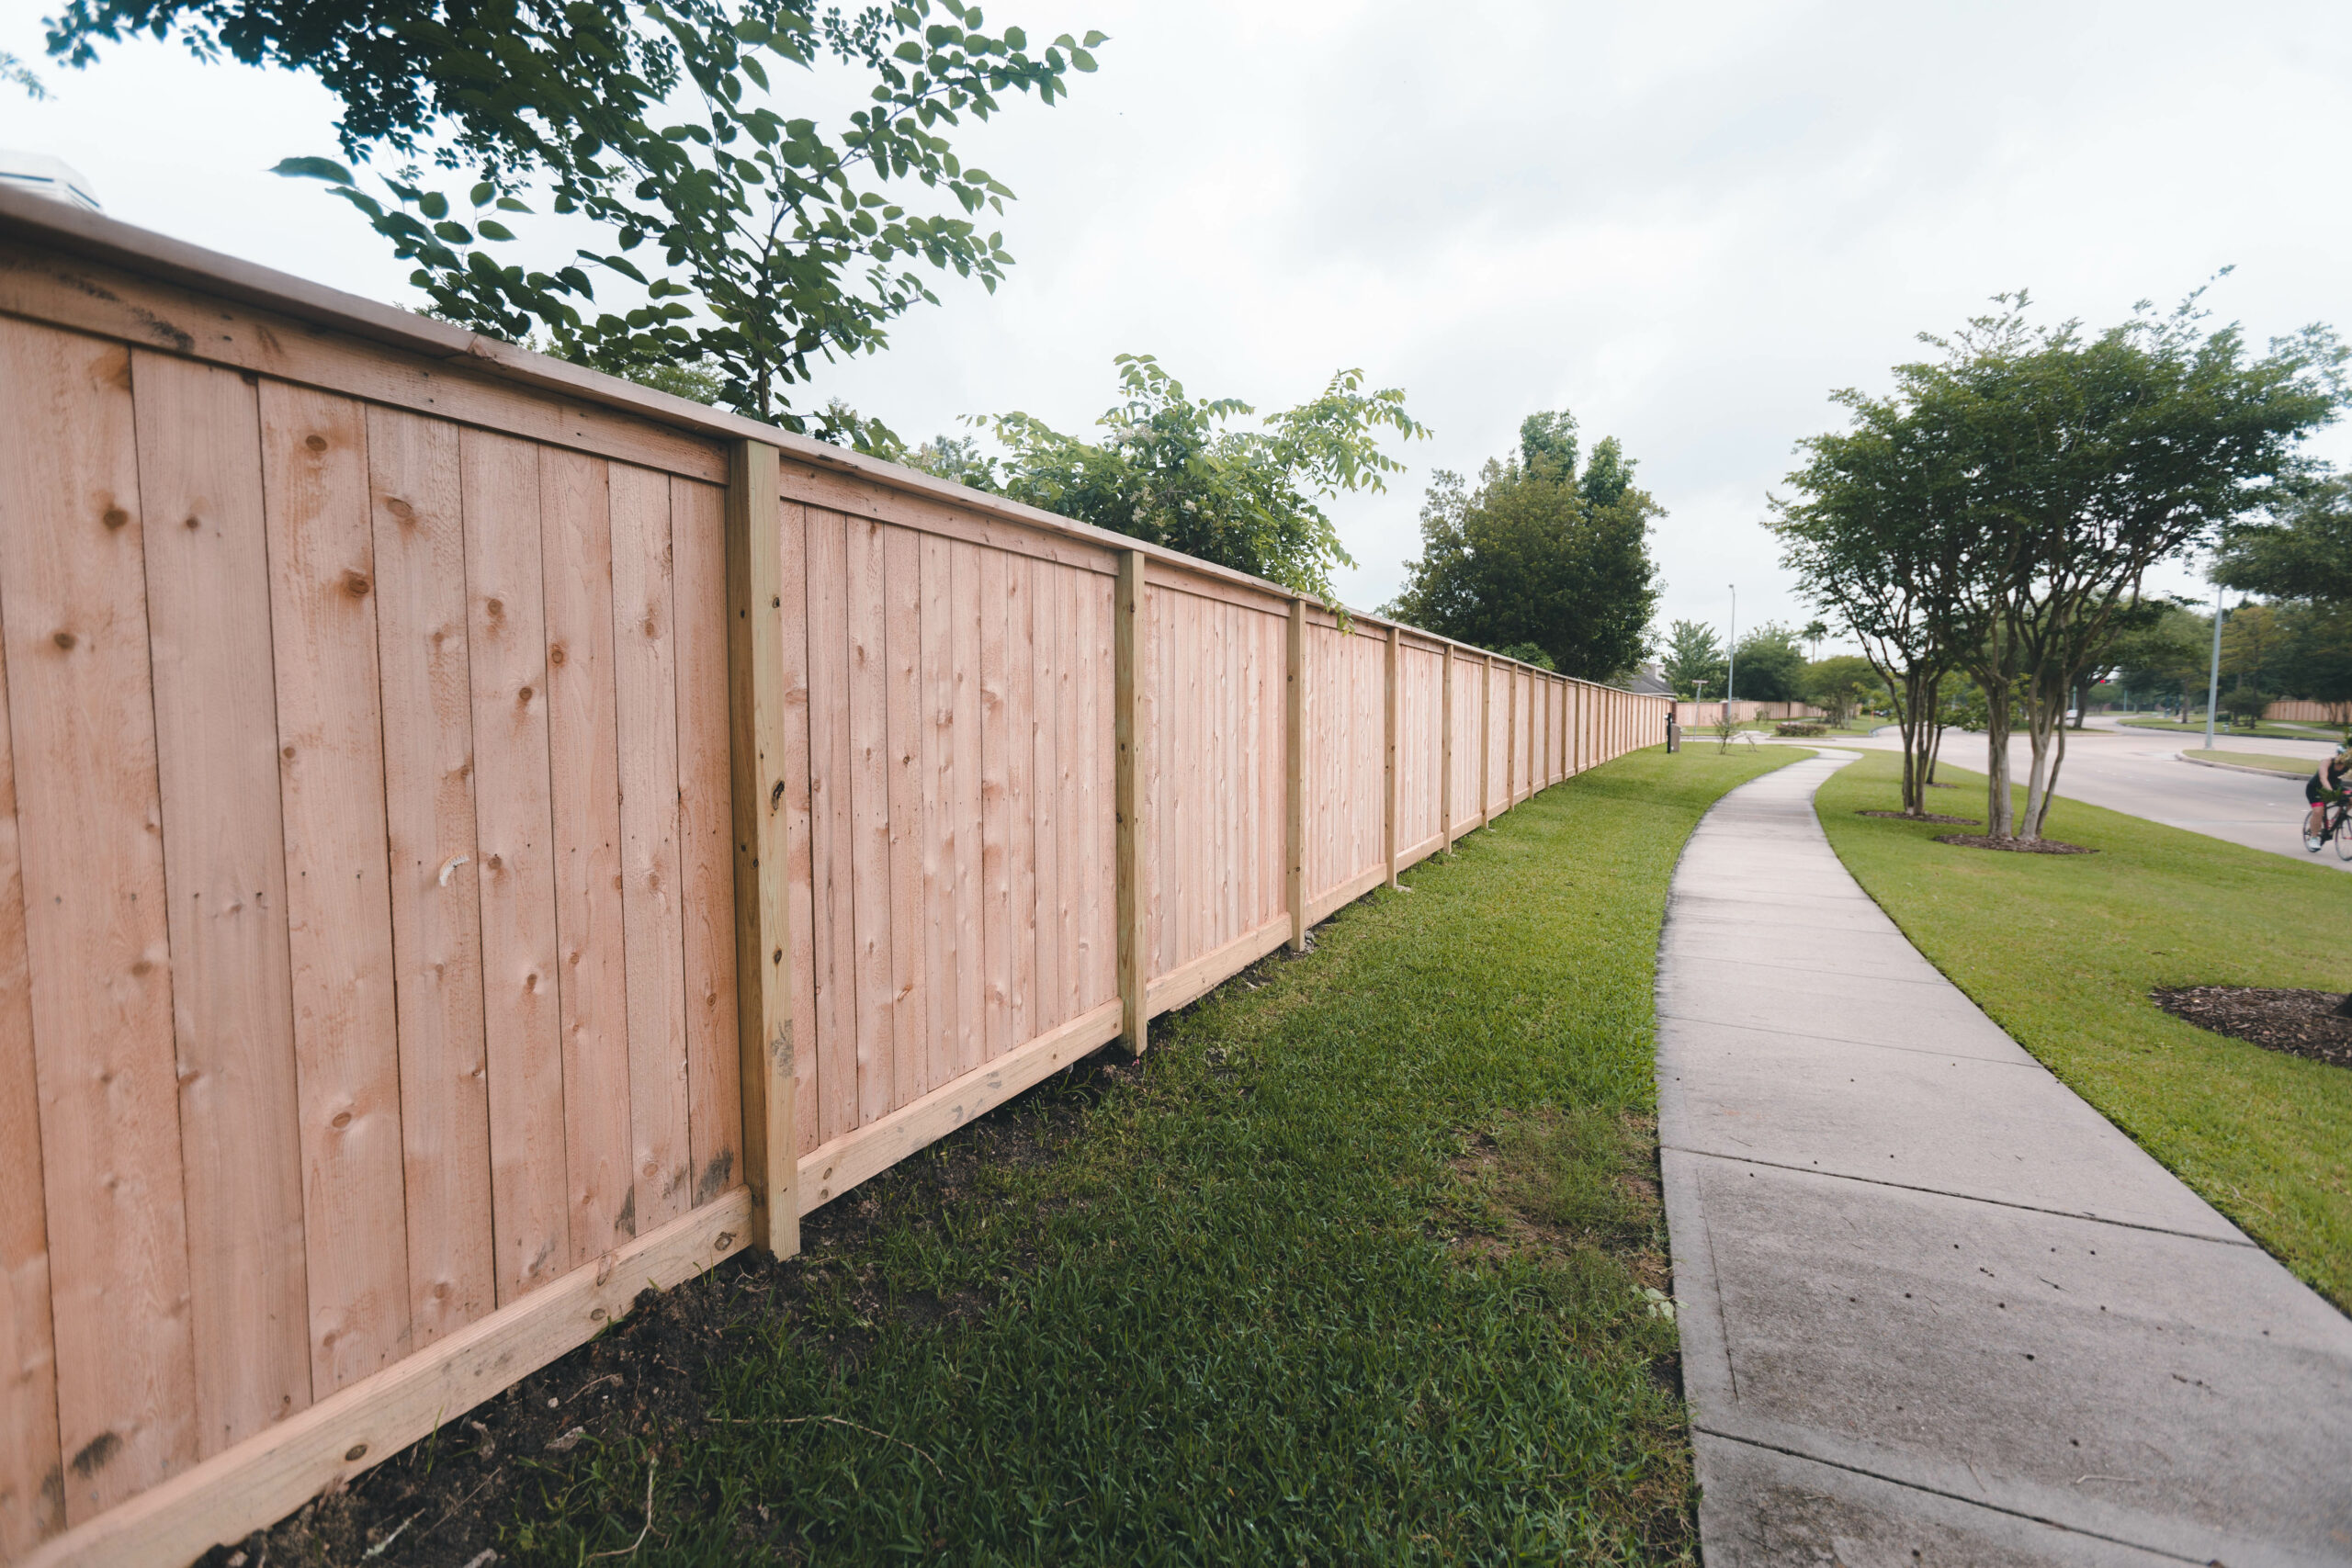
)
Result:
{"points": [[2325, 785]]}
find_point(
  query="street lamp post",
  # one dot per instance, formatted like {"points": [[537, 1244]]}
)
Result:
{"points": [[2213, 676], [1731, 646]]}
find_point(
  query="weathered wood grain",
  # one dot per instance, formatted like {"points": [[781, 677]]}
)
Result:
{"points": [[224, 873]]}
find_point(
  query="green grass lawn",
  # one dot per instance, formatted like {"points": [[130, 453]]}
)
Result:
{"points": [[2301, 767], [2063, 950], [1353, 1266]]}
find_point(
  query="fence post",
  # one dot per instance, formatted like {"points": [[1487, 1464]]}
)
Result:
{"points": [[1127, 653], [755, 590], [1445, 752], [1484, 743], [1295, 780], [1389, 726], [1510, 742]]}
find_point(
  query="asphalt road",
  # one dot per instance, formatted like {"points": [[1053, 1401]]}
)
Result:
{"points": [[2140, 772]]}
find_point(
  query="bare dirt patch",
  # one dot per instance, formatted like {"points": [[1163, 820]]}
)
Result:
{"points": [[1925, 817], [2299, 1023], [2014, 846]]}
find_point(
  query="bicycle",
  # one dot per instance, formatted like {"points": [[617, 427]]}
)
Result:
{"points": [[2336, 825]]}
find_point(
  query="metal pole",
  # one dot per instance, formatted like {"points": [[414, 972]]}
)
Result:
{"points": [[2213, 677], [1731, 646]]}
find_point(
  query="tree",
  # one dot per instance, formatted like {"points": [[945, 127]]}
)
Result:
{"points": [[1693, 655], [1813, 632], [15, 72], [2163, 652], [1877, 536], [738, 236], [1540, 552], [2302, 549], [1172, 470], [2071, 464], [1771, 665], [1840, 684]]}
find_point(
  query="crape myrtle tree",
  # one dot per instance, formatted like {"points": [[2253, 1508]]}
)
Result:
{"points": [[1176, 470], [1875, 536], [1541, 552], [736, 237], [2073, 463]]}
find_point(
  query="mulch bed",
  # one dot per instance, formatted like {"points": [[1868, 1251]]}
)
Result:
{"points": [[2016, 846], [1925, 817], [2301, 1023]]}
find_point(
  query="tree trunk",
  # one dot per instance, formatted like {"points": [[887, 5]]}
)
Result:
{"points": [[1911, 719], [2000, 814], [2042, 719]]}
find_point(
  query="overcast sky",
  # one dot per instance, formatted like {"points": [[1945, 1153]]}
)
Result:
{"points": [[1686, 224]]}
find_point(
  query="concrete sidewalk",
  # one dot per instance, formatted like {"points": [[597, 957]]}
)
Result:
{"points": [[1934, 1308]]}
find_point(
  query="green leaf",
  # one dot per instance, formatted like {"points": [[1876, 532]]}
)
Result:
{"points": [[313, 169], [1083, 60], [433, 204], [1096, 40], [492, 229], [483, 193], [456, 233]]}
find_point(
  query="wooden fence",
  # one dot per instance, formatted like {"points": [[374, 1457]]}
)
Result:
{"points": [[477, 837], [2302, 710]]}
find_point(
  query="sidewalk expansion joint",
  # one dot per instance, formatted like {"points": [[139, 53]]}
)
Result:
{"points": [[1987, 1505], [1962, 1197], [1846, 1040]]}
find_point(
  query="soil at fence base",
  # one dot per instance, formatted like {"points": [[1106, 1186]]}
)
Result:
{"points": [[2299, 1023], [2014, 846], [647, 1378], [1924, 817]]}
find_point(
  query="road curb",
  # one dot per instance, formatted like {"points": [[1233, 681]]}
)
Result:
{"points": [[2236, 767]]}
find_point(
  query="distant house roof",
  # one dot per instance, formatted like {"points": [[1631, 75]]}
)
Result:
{"points": [[1649, 681], [38, 174]]}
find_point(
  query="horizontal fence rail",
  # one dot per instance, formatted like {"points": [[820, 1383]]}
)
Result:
{"points": [[477, 837]]}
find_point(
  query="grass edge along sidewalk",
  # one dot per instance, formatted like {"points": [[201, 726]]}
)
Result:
{"points": [[2062, 950], [1363, 1262]]}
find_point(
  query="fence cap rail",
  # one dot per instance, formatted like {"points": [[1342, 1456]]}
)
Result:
{"points": [[94, 237]]}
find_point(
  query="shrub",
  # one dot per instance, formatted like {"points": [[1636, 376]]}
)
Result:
{"points": [[1799, 728]]}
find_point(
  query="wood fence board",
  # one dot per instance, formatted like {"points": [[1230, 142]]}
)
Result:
{"points": [[970, 972], [584, 766], [793, 523], [645, 688], [834, 931], [996, 827], [514, 842], [909, 1059], [417, 511], [33, 1472], [224, 873], [705, 854], [1049, 1006], [83, 745], [938, 798], [1098, 943], [870, 807], [1021, 765], [323, 618], [32, 1499]]}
